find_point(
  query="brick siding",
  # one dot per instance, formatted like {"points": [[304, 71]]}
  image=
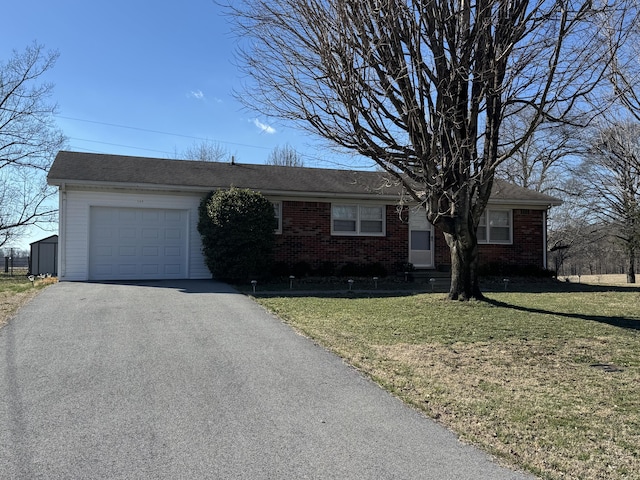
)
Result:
{"points": [[528, 242], [306, 237], [527, 249]]}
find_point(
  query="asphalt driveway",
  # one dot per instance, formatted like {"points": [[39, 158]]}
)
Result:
{"points": [[189, 380]]}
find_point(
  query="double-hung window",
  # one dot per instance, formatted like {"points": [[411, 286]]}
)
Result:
{"points": [[277, 212], [495, 227], [357, 219]]}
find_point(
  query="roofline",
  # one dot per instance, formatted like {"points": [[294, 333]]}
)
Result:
{"points": [[43, 239], [278, 193], [548, 203], [187, 189]]}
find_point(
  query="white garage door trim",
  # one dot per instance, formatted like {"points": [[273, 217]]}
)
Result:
{"points": [[137, 243]]}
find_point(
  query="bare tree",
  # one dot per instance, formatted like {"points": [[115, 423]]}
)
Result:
{"points": [[423, 87], [543, 161], [205, 151], [612, 171], [286, 156], [624, 69], [29, 140]]}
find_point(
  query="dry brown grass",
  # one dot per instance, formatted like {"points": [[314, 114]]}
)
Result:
{"points": [[526, 400], [16, 292], [609, 279]]}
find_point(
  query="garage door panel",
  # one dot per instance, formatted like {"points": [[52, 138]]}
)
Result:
{"points": [[151, 216], [127, 251], [127, 269], [104, 232], [102, 251], [150, 269], [149, 251], [150, 233], [134, 243], [172, 234], [127, 233], [104, 269], [127, 215], [172, 216]]}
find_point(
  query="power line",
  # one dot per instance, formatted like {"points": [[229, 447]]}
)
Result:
{"points": [[120, 145], [159, 132], [311, 158]]}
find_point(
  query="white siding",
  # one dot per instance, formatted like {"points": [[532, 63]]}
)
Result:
{"points": [[74, 239]]}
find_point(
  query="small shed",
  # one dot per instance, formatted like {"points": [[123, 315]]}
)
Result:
{"points": [[44, 256]]}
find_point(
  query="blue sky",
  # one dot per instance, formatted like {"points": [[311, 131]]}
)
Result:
{"points": [[146, 78]]}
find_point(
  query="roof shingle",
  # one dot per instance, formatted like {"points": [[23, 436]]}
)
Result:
{"points": [[117, 170]]}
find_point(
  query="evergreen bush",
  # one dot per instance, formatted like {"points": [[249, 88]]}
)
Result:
{"points": [[237, 227]]}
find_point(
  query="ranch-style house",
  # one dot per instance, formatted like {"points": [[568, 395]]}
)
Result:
{"points": [[135, 218]]}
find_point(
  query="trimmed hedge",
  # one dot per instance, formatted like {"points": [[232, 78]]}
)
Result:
{"points": [[237, 228]]}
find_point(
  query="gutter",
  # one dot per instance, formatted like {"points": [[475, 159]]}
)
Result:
{"points": [[392, 197], [206, 189]]}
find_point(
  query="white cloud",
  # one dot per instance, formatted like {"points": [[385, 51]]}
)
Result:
{"points": [[197, 94], [264, 127]]}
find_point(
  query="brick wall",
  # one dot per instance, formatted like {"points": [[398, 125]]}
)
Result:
{"points": [[527, 249], [306, 237], [528, 242]]}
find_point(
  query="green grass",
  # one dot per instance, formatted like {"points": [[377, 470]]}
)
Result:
{"points": [[514, 375], [14, 283]]}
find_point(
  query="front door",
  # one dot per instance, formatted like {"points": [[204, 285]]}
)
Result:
{"points": [[420, 238]]}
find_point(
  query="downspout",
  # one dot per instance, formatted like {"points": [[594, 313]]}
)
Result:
{"points": [[545, 247], [62, 231]]}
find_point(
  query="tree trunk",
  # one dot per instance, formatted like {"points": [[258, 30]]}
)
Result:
{"points": [[631, 267], [464, 267]]}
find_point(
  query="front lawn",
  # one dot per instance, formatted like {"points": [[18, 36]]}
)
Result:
{"points": [[546, 381]]}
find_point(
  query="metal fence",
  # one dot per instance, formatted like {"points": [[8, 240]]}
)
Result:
{"points": [[14, 262]]}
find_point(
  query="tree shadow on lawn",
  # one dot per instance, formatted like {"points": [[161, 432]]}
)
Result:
{"points": [[622, 322], [528, 285]]}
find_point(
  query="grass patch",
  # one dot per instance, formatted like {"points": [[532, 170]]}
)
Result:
{"points": [[16, 290], [515, 375]]}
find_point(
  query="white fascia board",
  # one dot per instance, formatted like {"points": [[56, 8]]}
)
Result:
{"points": [[532, 204], [200, 189], [387, 199]]}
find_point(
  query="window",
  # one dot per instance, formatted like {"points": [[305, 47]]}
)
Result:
{"points": [[497, 229], [277, 212], [357, 220]]}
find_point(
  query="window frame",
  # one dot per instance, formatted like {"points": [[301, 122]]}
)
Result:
{"points": [[487, 215], [358, 220], [277, 212]]}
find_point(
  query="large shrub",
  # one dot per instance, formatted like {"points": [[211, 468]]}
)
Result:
{"points": [[237, 228]]}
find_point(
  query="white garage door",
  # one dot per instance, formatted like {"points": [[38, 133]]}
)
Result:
{"points": [[137, 244]]}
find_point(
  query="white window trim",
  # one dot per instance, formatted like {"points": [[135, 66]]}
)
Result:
{"points": [[277, 210], [358, 233], [488, 240]]}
